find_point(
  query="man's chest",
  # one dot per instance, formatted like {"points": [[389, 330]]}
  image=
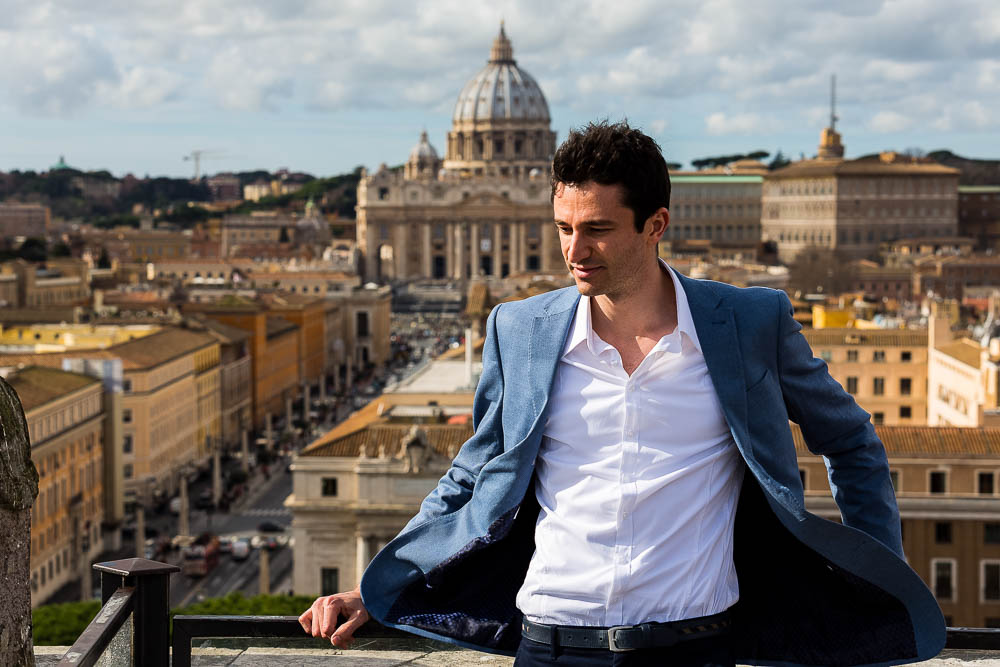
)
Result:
{"points": [[666, 408]]}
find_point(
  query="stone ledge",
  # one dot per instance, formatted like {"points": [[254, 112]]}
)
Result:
{"points": [[276, 656]]}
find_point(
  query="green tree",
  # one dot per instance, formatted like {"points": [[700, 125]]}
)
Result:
{"points": [[778, 161], [33, 250]]}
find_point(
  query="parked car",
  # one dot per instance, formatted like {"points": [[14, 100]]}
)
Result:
{"points": [[240, 550]]}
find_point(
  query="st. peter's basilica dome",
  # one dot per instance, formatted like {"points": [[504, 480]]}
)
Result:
{"points": [[501, 90], [500, 126]]}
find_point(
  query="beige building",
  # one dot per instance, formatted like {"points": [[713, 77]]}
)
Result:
{"points": [[852, 206], [64, 337], [27, 220], [58, 282], [236, 381], [171, 403], [884, 369], [962, 378], [482, 211], [358, 485], [66, 426], [948, 491], [723, 208]]}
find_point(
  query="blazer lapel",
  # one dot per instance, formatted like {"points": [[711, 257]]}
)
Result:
{"points": [[716, 327], [546, 341]]}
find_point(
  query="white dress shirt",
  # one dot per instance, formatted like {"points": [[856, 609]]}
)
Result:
{"points": [[637, 479]]}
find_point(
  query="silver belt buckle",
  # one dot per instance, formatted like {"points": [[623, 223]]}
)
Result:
{"points": [[612, 643]]}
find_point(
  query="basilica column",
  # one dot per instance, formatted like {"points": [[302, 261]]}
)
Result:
{"points": [[545, 262], [449, 249], [459, 245], [400, 246], [515, 247], [426, 257], [474, 261], [363, 555], [497, 248]]}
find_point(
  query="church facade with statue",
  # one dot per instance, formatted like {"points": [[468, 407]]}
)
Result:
{"points": [[483, 211]]}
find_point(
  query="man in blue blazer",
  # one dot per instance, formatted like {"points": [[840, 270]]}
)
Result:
{"points": [[784, 586]]}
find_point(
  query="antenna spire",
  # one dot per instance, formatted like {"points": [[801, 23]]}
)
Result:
{"points": [[833, 102]]}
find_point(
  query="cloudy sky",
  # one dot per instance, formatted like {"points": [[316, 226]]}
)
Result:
{"points": [[324, 85]]}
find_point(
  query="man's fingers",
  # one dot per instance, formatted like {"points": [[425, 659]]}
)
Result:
{"points": [[331, 609], [345, 633], [305, 620]]}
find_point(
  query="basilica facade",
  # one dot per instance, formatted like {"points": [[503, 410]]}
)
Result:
{"points": [[483, 211]]}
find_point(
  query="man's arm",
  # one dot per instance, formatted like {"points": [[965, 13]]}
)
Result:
{"points": [[451, 493], [835, 427], [455, 488]]}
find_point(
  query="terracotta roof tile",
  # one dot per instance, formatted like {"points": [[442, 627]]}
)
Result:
{"points": [[882, 337], [37, 385], [385, 439], [929, 441]]}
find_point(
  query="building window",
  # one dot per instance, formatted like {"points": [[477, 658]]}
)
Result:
{"points": [[939, 481], [942, 532], [127, 443], [826, 355], [803, 477], [905, 412], [852, 385], [894, 478], [329, 486], [126, 416], [878, 417], [906, 355], [878, 355], [878, 386], [985, 483], [852, 355], [991, 532], [943, 578], [329, 580], [991, 580], [128, 471], [126, 386], [362, 322], [905, 386]]}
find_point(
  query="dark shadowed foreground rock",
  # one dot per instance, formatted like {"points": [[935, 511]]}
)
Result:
{"points": [[18, 488]]}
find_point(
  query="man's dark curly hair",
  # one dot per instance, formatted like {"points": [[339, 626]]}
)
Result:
{"points": [[615, 154]]}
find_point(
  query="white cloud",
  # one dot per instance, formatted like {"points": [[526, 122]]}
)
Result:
{"points": [[890, 121], [720, 123]]}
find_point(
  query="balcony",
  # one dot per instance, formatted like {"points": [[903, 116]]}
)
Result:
{"points": [[132, 629]]}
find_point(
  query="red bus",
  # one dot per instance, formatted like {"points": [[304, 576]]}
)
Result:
{"points": [[201, 556]]}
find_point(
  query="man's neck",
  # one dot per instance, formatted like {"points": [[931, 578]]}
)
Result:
{"points": [[648, 313]]}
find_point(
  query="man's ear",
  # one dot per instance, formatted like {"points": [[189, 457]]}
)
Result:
{"points": [[656, 225]]}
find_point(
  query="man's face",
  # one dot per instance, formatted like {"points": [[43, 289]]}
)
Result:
{"points": [[599, 242]]}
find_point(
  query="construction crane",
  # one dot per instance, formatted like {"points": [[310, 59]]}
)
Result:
{"points": [[197, 155]]}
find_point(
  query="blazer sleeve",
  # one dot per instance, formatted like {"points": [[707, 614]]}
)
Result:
{"points": [[835, 427], [454, 489]]}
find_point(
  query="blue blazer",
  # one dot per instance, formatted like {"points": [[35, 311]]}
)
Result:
{"points": [[812, 591]]}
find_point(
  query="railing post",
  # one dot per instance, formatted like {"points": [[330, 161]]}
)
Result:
{"points": [[151, 643]]}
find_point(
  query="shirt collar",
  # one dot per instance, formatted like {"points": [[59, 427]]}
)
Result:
{"points": [[583, 330]]}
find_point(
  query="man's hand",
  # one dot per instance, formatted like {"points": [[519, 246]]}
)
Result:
{"points": [[322, 618]]}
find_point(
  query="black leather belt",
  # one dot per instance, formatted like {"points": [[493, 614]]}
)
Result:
{"points": [[620, 638]]}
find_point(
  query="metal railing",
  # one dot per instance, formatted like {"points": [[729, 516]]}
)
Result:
{"points": [[133, 625], [133, 622]]}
